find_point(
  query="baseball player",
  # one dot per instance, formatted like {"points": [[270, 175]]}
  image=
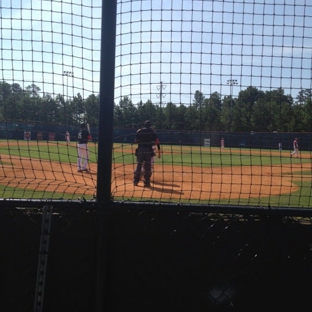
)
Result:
{"points": [[82, 146], [222, 143], [145, 137], [67, 137], [295, 147]]}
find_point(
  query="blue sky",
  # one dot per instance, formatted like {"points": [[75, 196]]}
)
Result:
{"points": [[188, 45], [42, 39]]}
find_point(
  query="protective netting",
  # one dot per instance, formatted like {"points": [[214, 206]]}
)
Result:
{"points": [[225, 84], [50, 65]]}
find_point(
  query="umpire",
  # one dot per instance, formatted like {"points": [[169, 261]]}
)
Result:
{"points": [[145, 138]]}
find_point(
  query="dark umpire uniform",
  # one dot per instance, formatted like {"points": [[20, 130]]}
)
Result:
{"points": [[146, 138]]}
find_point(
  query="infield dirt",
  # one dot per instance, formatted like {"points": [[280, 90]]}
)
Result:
{"points": [[168, 181]]}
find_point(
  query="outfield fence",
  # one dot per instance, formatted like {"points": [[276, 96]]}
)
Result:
{"points": [[251, 139]]}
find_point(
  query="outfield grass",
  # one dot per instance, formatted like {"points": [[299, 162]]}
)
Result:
{"points": [[212, 157], [53, 151], [172, 155]]}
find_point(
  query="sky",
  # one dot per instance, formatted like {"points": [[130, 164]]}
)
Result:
{"points": [[42, 39], [166, 50]]}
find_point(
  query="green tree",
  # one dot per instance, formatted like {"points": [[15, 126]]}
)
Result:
{"points": [[92, 109], [307, 115], [76, 110], [211, 113], [62, 107], [5, 90], [198, 100], [127, 116], [227, 113], [272, 112], [181, 118], [12, 102], [48, 110], [279, 110], [171, 116], [302, 117], [17, 89], [260, 115], [117, 116], [33, 90], [147, 111], [31, 102], [192, 121], [244, 108], [303, 96]]}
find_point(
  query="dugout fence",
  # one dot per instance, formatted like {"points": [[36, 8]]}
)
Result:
{"points": [[93, 242]]}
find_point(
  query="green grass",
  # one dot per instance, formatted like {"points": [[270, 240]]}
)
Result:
{"points": [[211, 157], [53, 151], [301, 198], [172, 155], [16, 192]]}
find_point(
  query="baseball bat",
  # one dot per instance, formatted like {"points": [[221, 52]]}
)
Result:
{"points": [[90, 139]]}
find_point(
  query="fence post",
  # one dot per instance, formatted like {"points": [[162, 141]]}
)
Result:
{"points": [[105, 146], [43, 257]]}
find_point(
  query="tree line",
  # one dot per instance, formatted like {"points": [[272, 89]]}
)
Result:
{"points": [[26, 105], [251, 110]]}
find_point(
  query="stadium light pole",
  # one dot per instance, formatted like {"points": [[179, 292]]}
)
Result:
{"points": [[67, 74], [231, 83], [161, 87]]}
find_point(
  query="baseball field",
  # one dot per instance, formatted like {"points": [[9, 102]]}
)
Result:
{"points": [[186, 174]]}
